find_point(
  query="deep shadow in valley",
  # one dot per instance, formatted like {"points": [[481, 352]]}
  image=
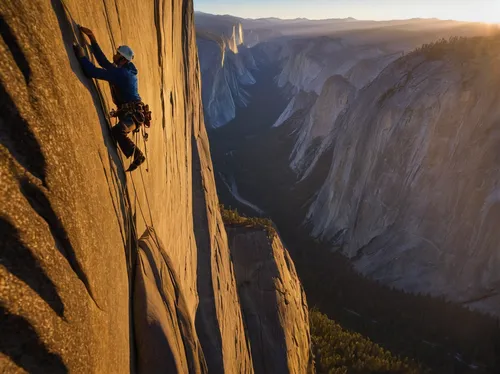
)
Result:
{"points": [[444, 337]]}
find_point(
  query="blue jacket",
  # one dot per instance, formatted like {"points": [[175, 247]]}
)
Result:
{"points": [[123, 79]]}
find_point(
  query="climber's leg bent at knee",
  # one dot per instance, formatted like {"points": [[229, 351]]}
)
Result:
{"points": [[120, 132]]}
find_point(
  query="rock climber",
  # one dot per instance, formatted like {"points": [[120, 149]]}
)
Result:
{"points": [[122, 76]]}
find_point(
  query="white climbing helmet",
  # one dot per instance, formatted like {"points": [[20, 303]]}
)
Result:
{"points": [[126, 52]]}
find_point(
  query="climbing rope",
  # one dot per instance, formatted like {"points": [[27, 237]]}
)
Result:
{"points": [[145, 139], [143, 184], [149, 227], [139, 203]]}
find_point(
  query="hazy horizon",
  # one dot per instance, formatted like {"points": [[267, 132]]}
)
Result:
{"points": [[487, 11]]}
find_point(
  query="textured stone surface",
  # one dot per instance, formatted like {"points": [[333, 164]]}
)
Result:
{"points": [[63, 269], [68, 212], [310, 65], [412, 194], [368, 69], [327, 73], [273, 302]]}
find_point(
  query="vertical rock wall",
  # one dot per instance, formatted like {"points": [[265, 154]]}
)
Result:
{"points": [[412, 193], [68, 210], [71, 264]]}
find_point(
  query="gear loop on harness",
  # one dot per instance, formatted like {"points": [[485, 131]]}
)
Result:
{"points": [[139, 112]]}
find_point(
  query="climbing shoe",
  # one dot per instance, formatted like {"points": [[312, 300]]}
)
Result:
{"points": [[138, 160]]}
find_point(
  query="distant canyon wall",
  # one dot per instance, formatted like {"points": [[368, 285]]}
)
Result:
{"points": [[412, 192], [410, 196], [226, 67]]}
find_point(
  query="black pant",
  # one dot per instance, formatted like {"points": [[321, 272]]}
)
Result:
{"points": [[120, 132]]}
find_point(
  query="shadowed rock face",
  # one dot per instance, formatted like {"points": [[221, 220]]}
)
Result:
{"points": [[412, 193], [70, 217], [273, 302], [334, 69], [226, 65], [302, 101]]}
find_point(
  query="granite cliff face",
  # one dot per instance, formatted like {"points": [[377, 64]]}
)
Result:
{"points": [[225, 75], [226, 65], [318, 130], [101, 271], [324, 75], [309, 65], [412, 192], [407, 212]]}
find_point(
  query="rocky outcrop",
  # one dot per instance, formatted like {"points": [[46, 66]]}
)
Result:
{"points": [[273, 302], [412, 193], [78, 290], [236, 38], [249, 32], [225, 26]]}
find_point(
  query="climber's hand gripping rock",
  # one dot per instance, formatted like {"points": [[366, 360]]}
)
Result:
{"points": [[89, 33]]}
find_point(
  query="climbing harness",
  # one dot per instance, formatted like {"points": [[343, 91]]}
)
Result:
{"points": [[138, 111], [141, 116]]}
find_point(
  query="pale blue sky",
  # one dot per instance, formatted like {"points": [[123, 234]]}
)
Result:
{"points": [[464, 10]]}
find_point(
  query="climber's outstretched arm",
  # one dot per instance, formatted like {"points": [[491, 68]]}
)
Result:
{"points": [[91, 70], [96, 50]]}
